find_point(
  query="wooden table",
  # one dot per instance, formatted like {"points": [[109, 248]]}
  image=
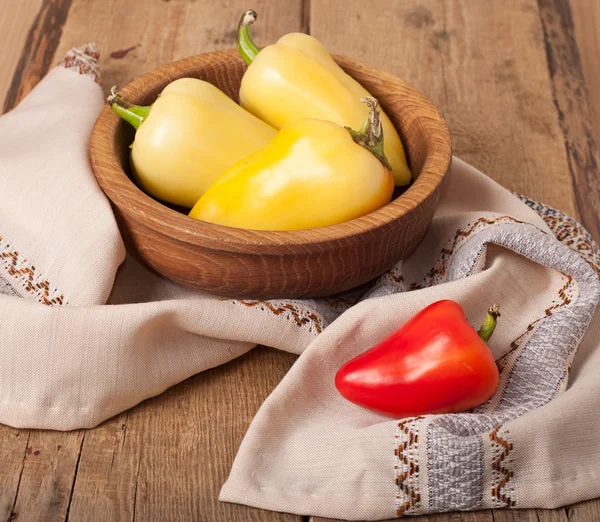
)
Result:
{"points": [[508, 76]]}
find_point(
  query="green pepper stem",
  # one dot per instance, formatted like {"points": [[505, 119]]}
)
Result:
{"points": [[246, 46], [370, 135], [489, 323], [133, 114]]}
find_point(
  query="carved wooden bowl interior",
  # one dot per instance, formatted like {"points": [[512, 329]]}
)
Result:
{"points": [[253, 264]]}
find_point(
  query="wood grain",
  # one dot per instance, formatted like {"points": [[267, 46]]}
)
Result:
{"points": [[584, 511], [47, 477], [38, 54], [475, 516], [260, 264], [586, 22], [552, 515], [167, 458], [484, 66], [571, 100], [160, 31], [13, 447], [15, 23], [107, 474]]}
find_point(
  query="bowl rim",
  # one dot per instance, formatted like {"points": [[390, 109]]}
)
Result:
{"points": [[136, 204]]}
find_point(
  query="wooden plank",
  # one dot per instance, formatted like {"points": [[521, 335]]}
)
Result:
{"points": [[47, 476], [586, 22], [552, 515], [106, 478], [13, 447], [483, 64], [15, 23], [167, 458], [515, 515], [571, 99], [530, 515], [477, 516], [137, 36], [584, 511], [38, 52]]}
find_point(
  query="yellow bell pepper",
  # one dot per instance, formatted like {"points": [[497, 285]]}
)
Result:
{"points": [[314, 173], [187, 138], [297, 78]]}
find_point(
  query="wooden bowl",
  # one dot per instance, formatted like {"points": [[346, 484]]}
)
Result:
{"points": [[254, 264]]}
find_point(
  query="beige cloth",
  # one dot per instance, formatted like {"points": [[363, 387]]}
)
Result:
{"points": [[72, 361]]}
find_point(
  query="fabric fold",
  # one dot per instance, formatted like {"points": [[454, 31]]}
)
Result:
{"points": [[59, 241], [307, 445]]}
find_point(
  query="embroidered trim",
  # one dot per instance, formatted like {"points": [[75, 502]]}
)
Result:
{"points": [[6, 288], [568, 231], [566, 294], [502, 468], [301, 316], [536, 376], [406, 454], [572, 234], [83, 60], [341, 304], [26, 275], [438, 272], [393, 278]]}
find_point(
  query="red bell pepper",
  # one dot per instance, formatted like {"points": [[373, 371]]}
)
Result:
{"points": [[435, 363]]}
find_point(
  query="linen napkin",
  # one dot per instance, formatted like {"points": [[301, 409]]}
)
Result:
{"points": [[88, 332]]}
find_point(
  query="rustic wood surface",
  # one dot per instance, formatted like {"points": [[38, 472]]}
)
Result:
{"points": [[259, 264], [518, 83]]}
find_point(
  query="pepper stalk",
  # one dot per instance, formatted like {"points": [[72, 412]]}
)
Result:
{"points": [[246, 46], [133, 114], [370, 135], [489, 323]]}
